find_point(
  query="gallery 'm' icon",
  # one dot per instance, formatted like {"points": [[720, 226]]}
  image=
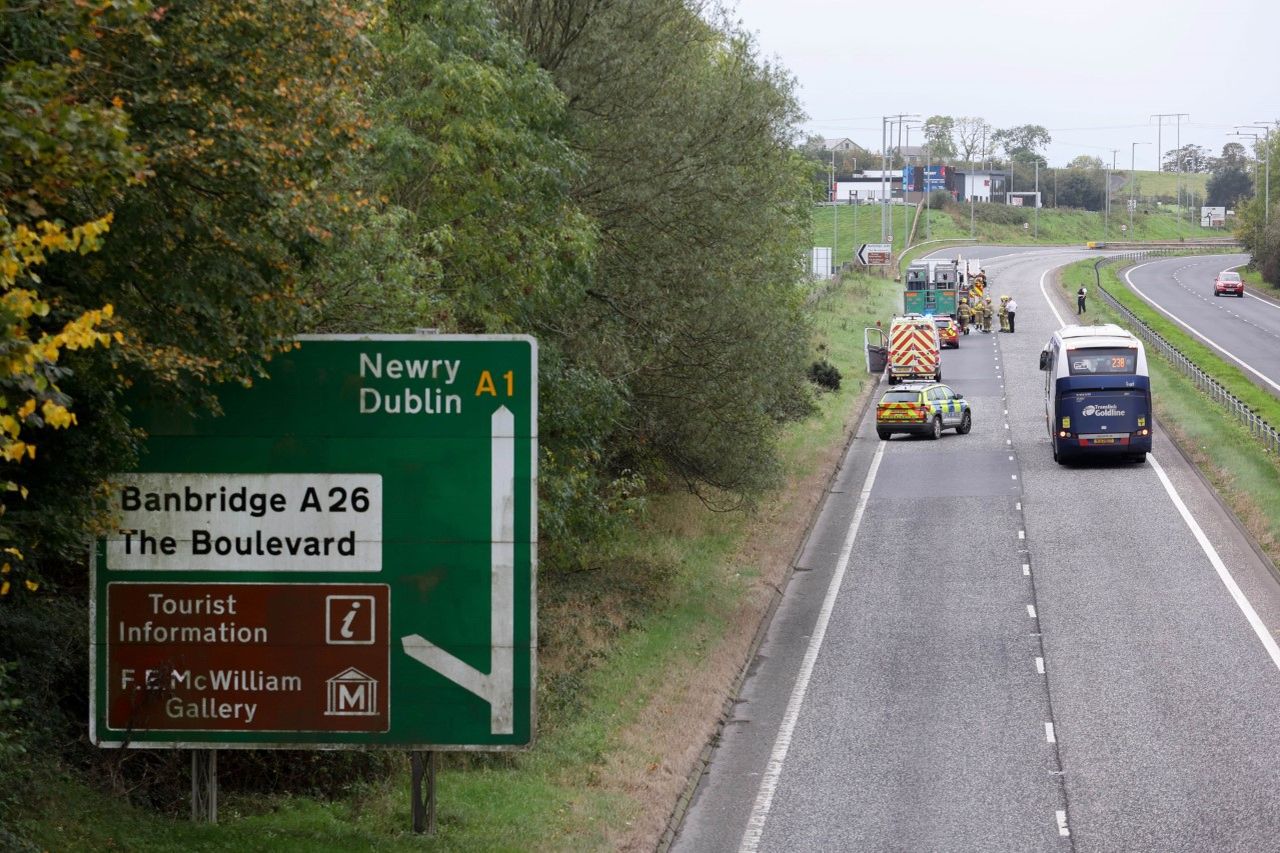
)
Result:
{"points": [[349, 620], [352, 694]]}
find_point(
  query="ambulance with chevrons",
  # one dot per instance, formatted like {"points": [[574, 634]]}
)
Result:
{"points": [[915, 350]]}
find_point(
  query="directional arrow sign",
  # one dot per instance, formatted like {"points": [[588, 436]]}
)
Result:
{"points": [[875, 254], [344, 559]]}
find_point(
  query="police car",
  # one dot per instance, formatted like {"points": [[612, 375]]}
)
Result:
{"points": [[926, 408]]}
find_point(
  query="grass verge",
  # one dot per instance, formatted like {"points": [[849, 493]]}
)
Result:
{"points": [[637, 657], [1246, 477], [1226, 373]]}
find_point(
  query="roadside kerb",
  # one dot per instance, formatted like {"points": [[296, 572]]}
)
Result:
{"points": [[1263, 432]]}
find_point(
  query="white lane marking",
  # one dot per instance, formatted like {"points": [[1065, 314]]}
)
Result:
{"points": [[1255, 621], [1010, 458], [1014, 476], [1026, 569], [1197, 333], [1048, 733], [1018, 505], [1022, 534], [773, 771], [1045, 294], [1040, 665], [1062, 823], [1031, 610]]}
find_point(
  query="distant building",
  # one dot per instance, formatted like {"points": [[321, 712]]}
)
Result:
{"points": [[841, 144], [980, 184]]}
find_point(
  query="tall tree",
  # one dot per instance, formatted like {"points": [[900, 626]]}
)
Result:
{"points": [[1228, 186], [702, 210], [973, 136], [938, 134], [1233, 155], [1188, 158], [209, 133], [1086, 161], [1024, 143]]}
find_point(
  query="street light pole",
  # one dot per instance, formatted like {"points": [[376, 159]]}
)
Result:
{"points": [[835, 215], [1037, 197], [1266, 151]]}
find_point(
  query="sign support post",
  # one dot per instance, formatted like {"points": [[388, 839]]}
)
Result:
{"points": [[204, 786], [423, 765]]}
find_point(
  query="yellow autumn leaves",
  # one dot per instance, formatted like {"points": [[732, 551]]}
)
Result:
{"points": [[29, 350]]}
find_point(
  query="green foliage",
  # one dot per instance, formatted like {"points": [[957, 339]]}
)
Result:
{"points": [[1229, 186], [208, 135], [938, 131], [690, 175], [1001, 214], [1024, 142], [1080, 188], [825, 375]]}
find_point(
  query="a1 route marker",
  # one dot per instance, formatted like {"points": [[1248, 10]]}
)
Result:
{"points": [[344, 559]]}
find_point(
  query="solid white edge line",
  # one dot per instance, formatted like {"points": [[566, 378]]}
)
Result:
{"points": [[1192, 329], [1049, 301], [1255, 621], [773, 771]]}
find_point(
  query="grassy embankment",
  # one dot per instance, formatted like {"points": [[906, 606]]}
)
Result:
{"points": [[685, 587], [1057, 227], [1247, 477], [1152, 185]]}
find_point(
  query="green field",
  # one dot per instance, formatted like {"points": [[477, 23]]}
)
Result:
{"points": [[609, 653], [1054, 226], [1149, 185]]}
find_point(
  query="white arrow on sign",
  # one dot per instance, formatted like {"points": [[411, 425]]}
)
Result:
{"points": [[496, 688], [882, 249]]}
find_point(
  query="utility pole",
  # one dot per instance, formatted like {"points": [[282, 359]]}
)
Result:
{"points": [[1133, 147], [1178, 117], [835, 215]]}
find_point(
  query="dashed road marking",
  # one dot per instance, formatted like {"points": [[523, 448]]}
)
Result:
{"points": [[1031, 610], [1048, 733], [1040, 665], [1062, 823], [1022, 534], [1026, 569]]}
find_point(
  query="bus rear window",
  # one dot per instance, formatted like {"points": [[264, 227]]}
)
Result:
{"points": [[1102, 361]]}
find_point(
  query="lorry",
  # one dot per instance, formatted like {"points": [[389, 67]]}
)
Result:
{"points": [[932, 287]]}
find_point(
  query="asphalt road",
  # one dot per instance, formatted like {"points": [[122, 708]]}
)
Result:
{"points": [[982, 650], [1244, 330]]}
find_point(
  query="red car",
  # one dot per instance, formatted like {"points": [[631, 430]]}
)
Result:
{"points": [[948, 332], [1228, 282]]}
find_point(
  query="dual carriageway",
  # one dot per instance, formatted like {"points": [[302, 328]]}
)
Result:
{"points": [[981, 650]]}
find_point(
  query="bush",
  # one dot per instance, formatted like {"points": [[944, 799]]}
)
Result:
{"points": [[1001, 214], [825, 375], [940, 200]]}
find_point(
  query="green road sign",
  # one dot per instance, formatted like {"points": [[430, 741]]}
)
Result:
{"points": [[345, 558]]}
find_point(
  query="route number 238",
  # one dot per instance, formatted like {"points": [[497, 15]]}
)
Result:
{"points": [[339, 499]]}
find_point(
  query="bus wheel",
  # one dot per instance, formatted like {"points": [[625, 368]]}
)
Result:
{"points": [[936, 432]]}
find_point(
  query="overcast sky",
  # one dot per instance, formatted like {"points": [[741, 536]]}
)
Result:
{"points": [[1091, 72]]}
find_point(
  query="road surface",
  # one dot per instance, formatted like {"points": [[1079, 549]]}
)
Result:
{"points": [[983, 650]]}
